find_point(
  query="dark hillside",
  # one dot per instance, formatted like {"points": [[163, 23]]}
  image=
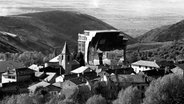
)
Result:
{"points": [[45, 30], [164, 33], [152, 35]]}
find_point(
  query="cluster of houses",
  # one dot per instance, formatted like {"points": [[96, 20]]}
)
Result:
{"points": [[63, 72]]}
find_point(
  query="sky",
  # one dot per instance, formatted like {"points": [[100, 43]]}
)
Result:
{"points": [[133, 7], [132, 16]]}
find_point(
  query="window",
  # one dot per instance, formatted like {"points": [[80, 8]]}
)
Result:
{"points": [[86, 33], [68, 57], [142, 95], [83, 45], [54, 93], [138, 87], [61, 57], [83, 50], [11, 77]]}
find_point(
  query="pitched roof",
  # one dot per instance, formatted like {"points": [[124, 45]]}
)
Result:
{"points": [[78, 80], [55, 59], [57, 84], [80, 69], [65, 49], [146, 63], [40, 84], [177, 70], [5, 65], [38, 74], [66, 84], [50, 76], [155, 72], [25, 70], [130, 78], [35, 67], [180, 66]]}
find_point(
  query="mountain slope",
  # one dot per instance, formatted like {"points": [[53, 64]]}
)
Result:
{"points": [[45, 30], [164, 33]]}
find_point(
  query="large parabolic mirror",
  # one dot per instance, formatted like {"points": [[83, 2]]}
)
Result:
{"points": [[105, 43]]}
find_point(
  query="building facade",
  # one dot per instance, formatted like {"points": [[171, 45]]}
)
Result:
{"points": [[18, 75], [143, 65]]}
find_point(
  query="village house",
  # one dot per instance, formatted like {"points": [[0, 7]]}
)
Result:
{"points": [[139, 81], [143, 65], [9, 65], [52, 89], [60, 78], [35, 67], [51, 77], [18, 75]]}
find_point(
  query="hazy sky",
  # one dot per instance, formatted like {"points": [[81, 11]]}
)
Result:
{"points": [[134, 17], [133, 7]]}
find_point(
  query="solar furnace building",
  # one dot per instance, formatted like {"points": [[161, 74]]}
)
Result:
{"points": [[102, 46]]}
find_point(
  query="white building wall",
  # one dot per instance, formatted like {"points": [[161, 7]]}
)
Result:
{"points": [[60, 79], [138, 69], [7, 80]]}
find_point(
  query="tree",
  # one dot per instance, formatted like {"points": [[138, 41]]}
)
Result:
{"points": [[131, 95], [96, 99], [2, 56], [133, 57], [106, 89], [24, 99], [70, 92], [17, 99], [84, 94], [166, 90], [56, 100], [80, 59], [41, 95]]}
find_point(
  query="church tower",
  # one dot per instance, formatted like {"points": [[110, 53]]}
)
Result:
{"points": [[65, 59]]}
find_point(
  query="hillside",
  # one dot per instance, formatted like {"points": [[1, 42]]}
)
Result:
{"points": [[45, 30], [164, 33]]}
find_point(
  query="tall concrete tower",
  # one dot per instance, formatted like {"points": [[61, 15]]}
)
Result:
{"points": [[65, 59]]}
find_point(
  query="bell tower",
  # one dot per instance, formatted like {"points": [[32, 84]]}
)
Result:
{"points": [[65, 59]]}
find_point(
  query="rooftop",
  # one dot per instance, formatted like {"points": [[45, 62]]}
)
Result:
{"points": [[65, 49], [146, 63], [40, 84], [180, 66], [57, 84], [55, 59], [50, 76], [102, 31], [130, 78], [81, 69]]}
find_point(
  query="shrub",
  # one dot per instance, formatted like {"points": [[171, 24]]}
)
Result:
{"points": [[70, 93], [130, 95], [166, 90], [41, 95], [17, 99], [96, 99], [107, 90]]}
